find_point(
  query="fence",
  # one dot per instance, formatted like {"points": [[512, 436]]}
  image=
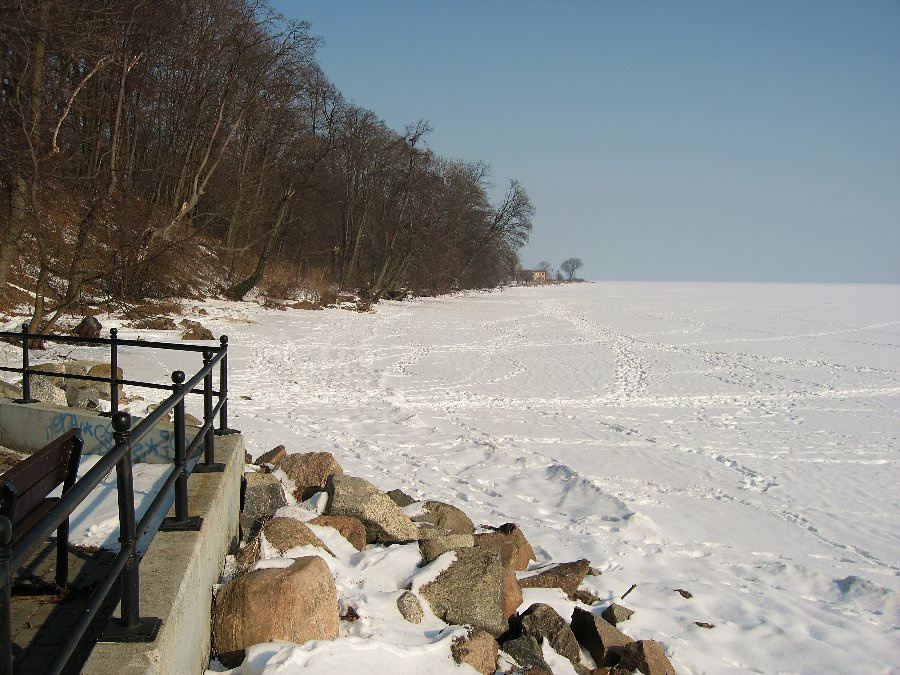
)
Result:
{"points": [[131, 626]]}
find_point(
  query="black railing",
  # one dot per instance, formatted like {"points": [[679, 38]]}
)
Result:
{"points": [[130, 626]]}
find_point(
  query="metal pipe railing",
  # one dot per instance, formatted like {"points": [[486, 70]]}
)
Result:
{"points": [[126, 567]]}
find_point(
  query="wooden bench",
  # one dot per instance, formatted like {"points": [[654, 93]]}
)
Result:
{"points": [[25, 487]]}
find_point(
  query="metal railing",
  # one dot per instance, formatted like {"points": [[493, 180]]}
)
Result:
{"points": [[130, 626]]}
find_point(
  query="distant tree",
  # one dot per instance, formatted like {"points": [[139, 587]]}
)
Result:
{"points": [[570, 266], [544, 266]]}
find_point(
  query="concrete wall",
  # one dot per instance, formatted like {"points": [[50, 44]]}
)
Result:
{"points": [[29, 427], [177, 576]]}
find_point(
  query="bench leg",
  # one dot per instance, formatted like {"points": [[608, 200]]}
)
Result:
{"points": [[62, 555]]}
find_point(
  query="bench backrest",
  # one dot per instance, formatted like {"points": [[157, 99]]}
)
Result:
{"points": [[26, 484]]}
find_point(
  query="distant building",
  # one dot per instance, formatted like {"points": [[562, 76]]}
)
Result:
{"points": [[533, 277]]}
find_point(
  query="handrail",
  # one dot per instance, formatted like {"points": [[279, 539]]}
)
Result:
{"points": [[131, 626]]}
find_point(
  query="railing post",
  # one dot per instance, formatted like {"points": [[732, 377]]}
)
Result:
{"points": [[113, 371], [223, 429], [130, 628], [131, 615], [181, 521], [5, 600], [209, 460], [26, 376]]}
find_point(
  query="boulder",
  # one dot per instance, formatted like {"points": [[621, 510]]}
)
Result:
{"points": [[567, 576], [542, 622], [43, 390], [527, 652], [385, 523], [84, 398], [296, 604], [645, 656], [8, 390], [477, 649], [469, 591], [9, 458], [514, 547], [273, 456], [598, 636], [615, 614], [193, 330], [88, 328], [585, 597], [284, 534], [434, 541], [410, 608], [512, 592], [446, 517], [309, 469], [348, 527], [400, 498], [263, 495]]}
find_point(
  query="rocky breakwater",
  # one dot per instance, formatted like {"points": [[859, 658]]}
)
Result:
{"points": [[311, 534]]}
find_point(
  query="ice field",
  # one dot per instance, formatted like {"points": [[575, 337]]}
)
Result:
{"points": [[739, 441]]}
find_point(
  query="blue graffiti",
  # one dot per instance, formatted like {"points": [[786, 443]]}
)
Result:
{"points": [[156, 447]]}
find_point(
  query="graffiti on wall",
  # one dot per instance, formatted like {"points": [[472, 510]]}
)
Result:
{"points": [[156, 447]]}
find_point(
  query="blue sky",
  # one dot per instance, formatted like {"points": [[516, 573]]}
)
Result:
{"points": [[717, 140]]}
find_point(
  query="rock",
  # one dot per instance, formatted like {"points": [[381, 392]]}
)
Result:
{"points": [[273, 456], [310, 469], [616, 614], [247, 556], [349, 528], [478, 649], [263, 495], [43, 390], [598, 636], [400, 498], [469, 591], [284, 534], [296, 604], [512, 592], [385, 523], [434, 541], [88, 328], [8, 390], [542, 622], [445, 516], [410, 607], [526, 651], [83, 398], [9, 458], [567, 576], [646, 656], [104, 370], [42, 382], [192, 421], [585, 597], [514, 547], [192, 330]]}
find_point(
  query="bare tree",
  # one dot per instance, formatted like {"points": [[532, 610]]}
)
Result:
{"points": [[570, 266]]}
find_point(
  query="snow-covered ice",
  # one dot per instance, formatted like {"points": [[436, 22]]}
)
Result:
{"points": [[739, 441]]}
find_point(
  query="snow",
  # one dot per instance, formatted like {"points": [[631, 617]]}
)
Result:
{"points": [[739, 441]]}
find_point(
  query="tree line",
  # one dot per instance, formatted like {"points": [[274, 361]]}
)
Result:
{"points": [[143, 142]]}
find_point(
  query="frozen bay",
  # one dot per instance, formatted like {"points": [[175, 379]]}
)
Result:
{"points": [[738, 441]]}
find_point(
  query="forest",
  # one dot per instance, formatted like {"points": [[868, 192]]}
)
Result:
{"points": [[157, 149]]}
